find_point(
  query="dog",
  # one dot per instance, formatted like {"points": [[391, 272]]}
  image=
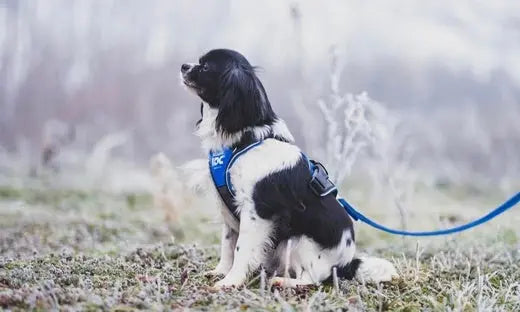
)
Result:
{"points": [[282, 226]]}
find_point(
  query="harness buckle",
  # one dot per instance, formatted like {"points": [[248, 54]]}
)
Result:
{"points": [[320, 183]]}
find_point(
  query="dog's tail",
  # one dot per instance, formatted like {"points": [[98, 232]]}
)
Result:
{"points": [[368, 269]]}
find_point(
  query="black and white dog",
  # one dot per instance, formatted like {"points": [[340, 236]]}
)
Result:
{"points": [[281, 219]]}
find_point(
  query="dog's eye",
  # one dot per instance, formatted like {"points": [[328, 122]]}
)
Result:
{"points": [[205, 67]]}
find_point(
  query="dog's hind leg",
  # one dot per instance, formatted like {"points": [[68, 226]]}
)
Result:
{"points": [[252, 244]]}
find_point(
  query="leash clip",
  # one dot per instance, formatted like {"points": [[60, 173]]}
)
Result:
{"points": [[320, 183]]}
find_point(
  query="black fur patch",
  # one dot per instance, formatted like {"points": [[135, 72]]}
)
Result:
{"points": [[279, 198], [242, 99], [346, 272], [349, 271]]}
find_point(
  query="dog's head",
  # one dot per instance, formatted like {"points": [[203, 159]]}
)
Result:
{"points": [[227, 82]]}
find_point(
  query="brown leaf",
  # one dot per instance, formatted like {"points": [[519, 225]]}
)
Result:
{"points": [[184, 276]]}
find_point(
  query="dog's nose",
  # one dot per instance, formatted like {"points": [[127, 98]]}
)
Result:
{"points": [[185, 68]]}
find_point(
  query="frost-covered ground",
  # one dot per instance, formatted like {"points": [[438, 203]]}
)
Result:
{"points": [[68, 249]]}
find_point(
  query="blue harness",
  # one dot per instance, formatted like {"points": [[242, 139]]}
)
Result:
{"points": [[220, 163]]}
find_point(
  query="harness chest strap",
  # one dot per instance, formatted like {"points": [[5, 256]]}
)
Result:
{"points": [[220, 163]]}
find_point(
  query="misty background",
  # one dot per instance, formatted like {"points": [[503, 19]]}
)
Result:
{"points": [[76, 75]]}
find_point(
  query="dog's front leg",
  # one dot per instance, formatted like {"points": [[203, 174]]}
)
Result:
{"points": [[227, 248], [253, 241]]}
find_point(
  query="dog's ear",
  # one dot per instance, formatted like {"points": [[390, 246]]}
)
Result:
{"points": [[242, 101]]}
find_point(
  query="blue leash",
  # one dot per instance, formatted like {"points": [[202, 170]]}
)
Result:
{"points": [[356, 215]]}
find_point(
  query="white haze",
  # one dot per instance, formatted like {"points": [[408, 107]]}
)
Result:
{"points": [[450, 71]]}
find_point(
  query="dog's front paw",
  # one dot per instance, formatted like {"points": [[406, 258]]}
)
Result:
{"points": [[227, 283], [214, 273], [219, 270], [278, 282]]}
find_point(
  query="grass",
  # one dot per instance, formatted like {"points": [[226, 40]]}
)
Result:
{"points": [[78, 250]]}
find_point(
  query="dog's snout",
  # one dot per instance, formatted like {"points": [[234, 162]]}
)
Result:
{"points": [[185, 68]]}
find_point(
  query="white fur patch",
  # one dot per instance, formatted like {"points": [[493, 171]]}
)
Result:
{"points": [[212, 140], [181, 79], [207, 131], [311, 262], [375, 270], [280, 128]]}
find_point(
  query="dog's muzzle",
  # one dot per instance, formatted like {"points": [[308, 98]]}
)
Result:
{"points": [[185, 72], [185, 68]]}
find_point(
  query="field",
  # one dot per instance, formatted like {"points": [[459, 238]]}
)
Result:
{"points": [[412, 106], [87, 250]]}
